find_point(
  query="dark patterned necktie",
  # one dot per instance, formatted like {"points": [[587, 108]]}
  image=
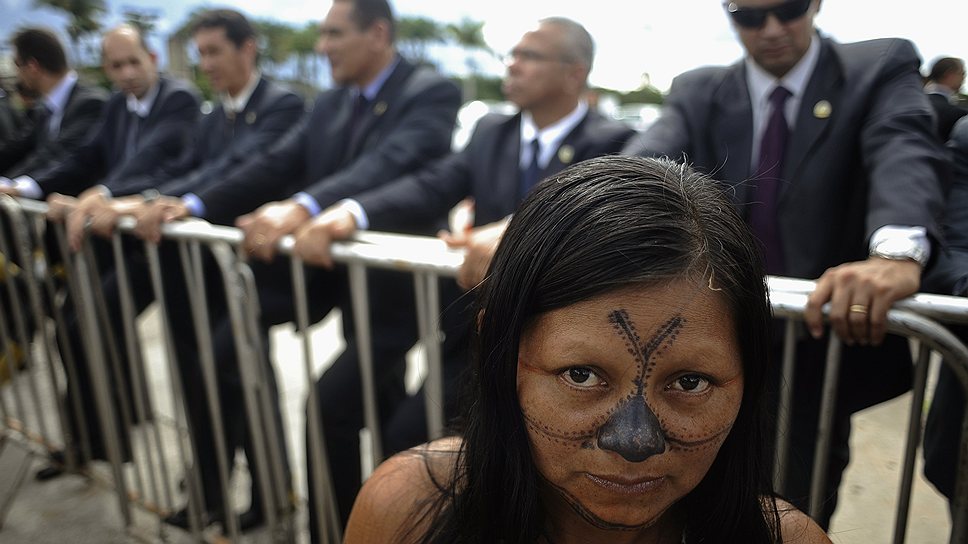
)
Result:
{"points": [[134, 131], [763, 213], [356, 119], [529, 176]]}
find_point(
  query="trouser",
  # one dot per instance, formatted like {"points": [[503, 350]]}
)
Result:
{"points": [[942, 432], [117, 365], [231, 399]]}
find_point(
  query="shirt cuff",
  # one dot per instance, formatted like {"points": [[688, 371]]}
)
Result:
{"points": [[194, 204], [918, 235], [357, 211], [306, 200], [28, 188]]}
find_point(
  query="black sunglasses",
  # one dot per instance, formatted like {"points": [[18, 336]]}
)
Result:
{"points": [[756, 17]]}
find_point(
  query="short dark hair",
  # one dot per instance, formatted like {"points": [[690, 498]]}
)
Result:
{"points": [[237, 27], [943, 66], [367, 12], [42, 46], [599, 226]]}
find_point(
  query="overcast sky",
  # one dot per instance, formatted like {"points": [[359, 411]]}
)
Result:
{"points": [[658, 38]]}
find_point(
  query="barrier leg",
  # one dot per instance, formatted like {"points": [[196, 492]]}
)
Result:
{"points": [[196, 503], [818, 483], [785, 404], [142, 408], [114, 365], [194, 278], [321, 483], [280, 485], [236, 296], [913, 439], [20, 324], [100, 382], [428, 310], [361, 320]]}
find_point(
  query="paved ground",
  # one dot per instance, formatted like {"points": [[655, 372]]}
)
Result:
{"points": [[78, 510]]}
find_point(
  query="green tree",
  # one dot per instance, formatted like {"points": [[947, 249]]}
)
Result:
{"points": [[83, 18], [304, 47], [275, 43], [469, 36], [415, 35], [144, 19]]}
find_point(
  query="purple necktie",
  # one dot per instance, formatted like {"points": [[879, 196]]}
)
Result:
{"points": [[763, 212], [530, 175]]}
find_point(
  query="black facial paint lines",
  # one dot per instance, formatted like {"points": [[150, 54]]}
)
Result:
{"points": [[633, 431]]}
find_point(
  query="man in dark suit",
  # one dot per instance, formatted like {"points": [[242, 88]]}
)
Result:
{"points": [[944, 81], [387, 118], [507, 154], [942, 430], [145, 125], [67, 113], [829, 150], [252, 114]]}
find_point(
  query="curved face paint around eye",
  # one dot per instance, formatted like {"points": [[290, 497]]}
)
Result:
{"points": [[627, 398]]}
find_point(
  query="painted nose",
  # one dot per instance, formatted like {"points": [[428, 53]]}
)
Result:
{"points": [[632, 431]]}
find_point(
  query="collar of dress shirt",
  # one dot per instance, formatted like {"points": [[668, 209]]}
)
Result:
{"points": [[761, 83], [142, 106], [549, 137], [933, 88], [371, 90], [238, 103], [56, 99]]}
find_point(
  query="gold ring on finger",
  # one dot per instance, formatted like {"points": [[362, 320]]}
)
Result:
{"points": [[858, 309]]}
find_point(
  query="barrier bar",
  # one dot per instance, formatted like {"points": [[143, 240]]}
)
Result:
{"points": [[196, 502], [327, 525]]}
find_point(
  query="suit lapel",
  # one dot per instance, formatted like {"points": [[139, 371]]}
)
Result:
{"points": [[731, 132], [813, 119], [565, 155], [376, 108], [250, 112], [507, 158]]}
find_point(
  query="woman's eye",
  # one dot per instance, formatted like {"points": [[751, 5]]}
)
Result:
{"points": [[692, 383], [580, 376]]}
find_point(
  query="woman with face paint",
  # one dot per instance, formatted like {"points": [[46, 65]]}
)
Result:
{"points": [[618, 389]]}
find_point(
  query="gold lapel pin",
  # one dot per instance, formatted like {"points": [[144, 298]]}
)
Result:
{"points": [[380, 108], [566, 153], [250, 118], [822, 109]]}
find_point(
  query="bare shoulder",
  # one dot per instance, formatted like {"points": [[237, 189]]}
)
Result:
{"points": [[797, 527], [392, 498]]}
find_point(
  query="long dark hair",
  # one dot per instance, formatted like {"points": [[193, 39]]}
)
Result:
{"points": [[601, 225]]}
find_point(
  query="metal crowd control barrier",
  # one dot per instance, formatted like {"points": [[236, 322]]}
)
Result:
{"points": [[151, 478]]}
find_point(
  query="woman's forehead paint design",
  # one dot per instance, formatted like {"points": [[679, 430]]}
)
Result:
{"points": [[645, 354]]}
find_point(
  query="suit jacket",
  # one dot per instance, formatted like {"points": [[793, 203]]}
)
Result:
{"points": [[35, 150], [223, 143], [162, 137], [950, 274], [486, 169], [873, 161], [407, 124], [948, 114]]}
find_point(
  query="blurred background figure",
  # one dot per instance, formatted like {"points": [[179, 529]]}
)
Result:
{"points": [[943, 86]]}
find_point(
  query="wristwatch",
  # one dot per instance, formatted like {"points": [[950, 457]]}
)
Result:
{"points": [[899, 248]]}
